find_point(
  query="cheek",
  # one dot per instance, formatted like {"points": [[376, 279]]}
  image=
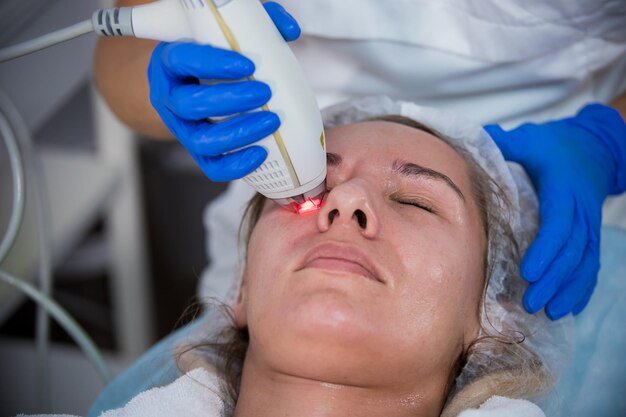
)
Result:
{"points": [[261, 273], [273, 250], [442, 276], [271, 239], [266, 250]]}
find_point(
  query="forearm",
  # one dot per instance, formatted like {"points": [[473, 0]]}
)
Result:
{"points": [[120, 73]]}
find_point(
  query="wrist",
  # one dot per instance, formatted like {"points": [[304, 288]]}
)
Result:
{"points": [[606, 124]]}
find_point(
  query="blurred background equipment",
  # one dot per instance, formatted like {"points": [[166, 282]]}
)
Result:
{"points": [[104, 189]]}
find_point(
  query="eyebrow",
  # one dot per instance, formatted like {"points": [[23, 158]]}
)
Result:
{"points": [[407, 169], [410, 169]]}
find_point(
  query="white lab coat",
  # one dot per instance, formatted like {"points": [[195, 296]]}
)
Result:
{"points": [[492, 61], [504, 61]]}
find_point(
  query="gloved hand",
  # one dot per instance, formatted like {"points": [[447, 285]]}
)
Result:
{"points": [[184, 105], [574, 164]]}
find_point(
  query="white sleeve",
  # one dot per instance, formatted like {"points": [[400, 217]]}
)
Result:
{"points": [[497, 406]]}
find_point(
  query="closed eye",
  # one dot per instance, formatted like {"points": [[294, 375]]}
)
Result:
{"points": [[417, 204]]}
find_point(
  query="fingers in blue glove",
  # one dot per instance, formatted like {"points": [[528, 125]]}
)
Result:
{"points": [[557, 219], [575, 291], [286, 24], [189, 60], [228, 135], [196, 102], [579, 156], [539, 293], [578, 308], [232, 166], [182, 103]]}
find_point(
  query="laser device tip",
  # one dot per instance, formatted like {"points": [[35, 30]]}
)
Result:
{"points": [[307, 202]]}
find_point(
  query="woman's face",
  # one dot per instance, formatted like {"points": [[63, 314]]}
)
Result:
{"points": [[382, 285]]}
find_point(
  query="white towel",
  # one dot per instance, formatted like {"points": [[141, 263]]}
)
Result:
{"points": [[497, 406], [196, 394]]}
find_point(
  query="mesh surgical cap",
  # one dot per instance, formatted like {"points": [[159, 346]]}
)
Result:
{"points": [[503, 312]]}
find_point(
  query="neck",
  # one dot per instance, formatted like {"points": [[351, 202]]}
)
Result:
{"points": [[265, 392]]}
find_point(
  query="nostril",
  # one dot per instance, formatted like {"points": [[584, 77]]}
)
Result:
{"points": [[361, 218], [332, 214]]}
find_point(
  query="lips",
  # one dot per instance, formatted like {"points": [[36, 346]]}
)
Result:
{"points": [[341, 258]]}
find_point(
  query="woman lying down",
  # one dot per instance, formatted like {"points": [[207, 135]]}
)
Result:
{"points": [[400, 297]]}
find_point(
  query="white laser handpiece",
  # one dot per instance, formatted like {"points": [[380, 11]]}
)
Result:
{"points": [[295, 169]]}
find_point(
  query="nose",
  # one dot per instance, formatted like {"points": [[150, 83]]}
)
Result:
{"points": [[349, 204]]}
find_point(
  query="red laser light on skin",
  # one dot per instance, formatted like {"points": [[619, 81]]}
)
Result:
{"points": [[306, 206], [305, 203], [309, 205]]}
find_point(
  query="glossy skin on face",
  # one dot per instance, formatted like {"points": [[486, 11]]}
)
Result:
{"points": [[379, 288]]}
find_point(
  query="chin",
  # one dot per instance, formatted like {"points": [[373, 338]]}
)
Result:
{"points": [[331, 311], [325, 337], [325, 356], [316, 333]]}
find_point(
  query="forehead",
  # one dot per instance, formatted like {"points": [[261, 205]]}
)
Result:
{"points": [[377, 144]]}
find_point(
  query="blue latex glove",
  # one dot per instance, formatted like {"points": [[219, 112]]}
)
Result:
{"points": [[574, 164], [184, 105]]}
